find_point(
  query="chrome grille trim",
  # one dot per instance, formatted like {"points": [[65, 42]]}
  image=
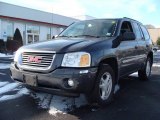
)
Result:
{"points": [[45, 64]]}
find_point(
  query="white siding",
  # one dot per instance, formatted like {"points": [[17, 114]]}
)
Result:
{"points": [[43, 33], [32, 14], [55, 31], [0, 29]]}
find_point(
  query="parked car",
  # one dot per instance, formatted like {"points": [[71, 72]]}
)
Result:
{"points": [[155, 48], [88, 57]]}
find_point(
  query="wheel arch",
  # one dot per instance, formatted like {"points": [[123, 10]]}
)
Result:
{"points": [[112, 61], [150, 55]]}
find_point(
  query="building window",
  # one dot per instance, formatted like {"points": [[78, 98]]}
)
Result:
{"points": [[49, 33], [32, 33], [7, 30], [33, 29]]}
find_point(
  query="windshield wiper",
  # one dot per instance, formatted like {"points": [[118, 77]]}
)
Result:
{"points": [[63, 36]]}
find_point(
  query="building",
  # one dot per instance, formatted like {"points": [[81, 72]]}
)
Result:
{"points": [[34, 25], [155, 34], [84, 17]]}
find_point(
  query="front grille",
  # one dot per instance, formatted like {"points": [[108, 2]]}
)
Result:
{"points": [[44, 62]]}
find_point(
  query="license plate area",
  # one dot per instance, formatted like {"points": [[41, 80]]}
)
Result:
{"points": [[30, 79]]}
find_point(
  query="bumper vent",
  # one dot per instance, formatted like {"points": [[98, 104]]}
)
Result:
{"points": [[36, 60]]}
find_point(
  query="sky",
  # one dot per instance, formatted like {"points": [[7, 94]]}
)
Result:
{"points": [[145, 11]]}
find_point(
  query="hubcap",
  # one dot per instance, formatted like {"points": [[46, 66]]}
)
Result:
{"points": [[148, 68], [105, 85]]}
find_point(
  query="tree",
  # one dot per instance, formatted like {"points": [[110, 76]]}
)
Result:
{"points": [[149, 26], [18, 37], [13, 45], [158, 41]]}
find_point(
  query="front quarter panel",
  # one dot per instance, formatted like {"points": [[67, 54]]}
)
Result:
{"points": [[100, 51]]}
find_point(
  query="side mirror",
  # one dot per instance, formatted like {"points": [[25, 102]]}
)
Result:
{"points": [[54, 36], [127, 36]]}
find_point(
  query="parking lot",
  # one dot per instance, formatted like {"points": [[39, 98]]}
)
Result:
{"points": [[135, 100]]}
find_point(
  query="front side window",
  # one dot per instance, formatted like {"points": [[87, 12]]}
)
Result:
{"points": [[91, 28], [145, 33], [126, 27]]}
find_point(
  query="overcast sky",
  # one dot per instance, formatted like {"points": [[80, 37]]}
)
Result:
{"points": [[146, 11]]}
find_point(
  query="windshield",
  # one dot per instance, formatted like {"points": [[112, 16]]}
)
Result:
{"points": [[91, 28]]}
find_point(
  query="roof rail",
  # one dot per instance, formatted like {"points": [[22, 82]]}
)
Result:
{"points": [[132, 19]]}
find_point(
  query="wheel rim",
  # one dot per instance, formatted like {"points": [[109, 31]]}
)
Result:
{"points": [[148, 68], [105, 86]]}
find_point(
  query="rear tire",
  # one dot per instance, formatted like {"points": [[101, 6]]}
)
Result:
{"points": [[145, 73], [104, 86]]}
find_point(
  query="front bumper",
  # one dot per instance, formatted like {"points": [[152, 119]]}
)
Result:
{"points": [[55, 82]]}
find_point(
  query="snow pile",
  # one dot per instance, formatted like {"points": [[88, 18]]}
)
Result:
{"points": [[58, 104], [43, 99], [134, 74], [4, 66], [64, 104]]}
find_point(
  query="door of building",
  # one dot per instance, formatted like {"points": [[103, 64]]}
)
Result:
{"points": [[32, 38]]}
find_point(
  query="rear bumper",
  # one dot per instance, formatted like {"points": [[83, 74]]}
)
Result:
{"points": [[56, 82]]}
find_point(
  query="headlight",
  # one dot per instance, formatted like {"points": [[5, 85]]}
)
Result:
{"points": [[18, 56], [77, 59]]}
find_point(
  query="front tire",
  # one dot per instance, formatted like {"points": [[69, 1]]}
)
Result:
{"points": [[104, 86], [145, 73]]}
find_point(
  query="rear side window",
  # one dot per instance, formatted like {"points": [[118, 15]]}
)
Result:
{"points": [[137, 31], [145, 33]]}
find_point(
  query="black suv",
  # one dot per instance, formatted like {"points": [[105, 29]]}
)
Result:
{"points": [[87, 57]]}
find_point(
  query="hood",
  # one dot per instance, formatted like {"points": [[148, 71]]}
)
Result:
{"points": [[61, 45]]}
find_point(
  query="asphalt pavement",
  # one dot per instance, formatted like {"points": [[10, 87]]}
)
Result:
{"points": [[135, 100]]}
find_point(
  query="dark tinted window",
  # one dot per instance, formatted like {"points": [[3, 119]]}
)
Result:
{"points": [[126, 27], [145, 32], [137, 31]]}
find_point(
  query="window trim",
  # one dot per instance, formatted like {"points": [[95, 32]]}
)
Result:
{"points": [[141, 26], [141, 33]]}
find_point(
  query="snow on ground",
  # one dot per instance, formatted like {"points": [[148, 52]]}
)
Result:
{"points": [[156, 65], [3, 83], [8, 87], [54, 104], [20, 93], [58, 104], [43, 99], [4, 66], [4, 55], [65, 104]]}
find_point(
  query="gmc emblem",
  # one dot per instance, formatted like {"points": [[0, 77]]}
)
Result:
{"points": [[36, 59]]}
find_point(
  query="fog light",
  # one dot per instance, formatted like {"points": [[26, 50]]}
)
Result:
{"points": [[71, 82]]}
